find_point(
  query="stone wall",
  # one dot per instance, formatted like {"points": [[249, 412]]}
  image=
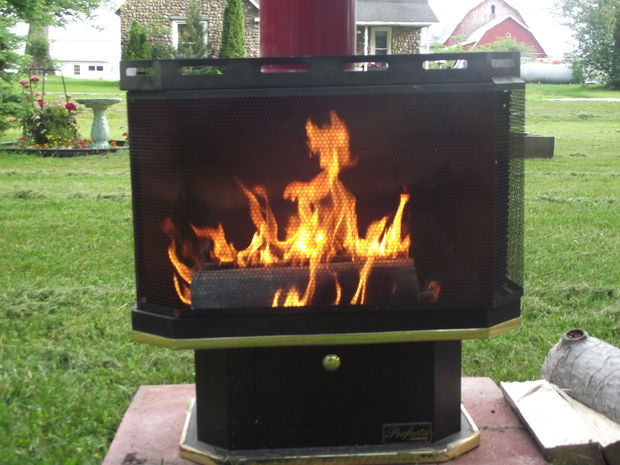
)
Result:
{"points": [[404, 40], [158, 14]]}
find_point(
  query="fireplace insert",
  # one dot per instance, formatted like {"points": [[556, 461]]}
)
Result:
{"points": [[324, 231], [326, 200]]}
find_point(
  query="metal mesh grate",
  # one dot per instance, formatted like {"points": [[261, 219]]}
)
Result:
{"points": [[455, 153]]}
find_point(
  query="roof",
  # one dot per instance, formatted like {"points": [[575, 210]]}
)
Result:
{"points": [[476, 36], [461, 10], [405, 12], [478, 33]]}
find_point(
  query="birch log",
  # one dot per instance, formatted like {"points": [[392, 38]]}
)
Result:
{"points": [[588, 370]]}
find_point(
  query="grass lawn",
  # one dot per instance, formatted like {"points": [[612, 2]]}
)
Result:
{"points": [[68, 369]]}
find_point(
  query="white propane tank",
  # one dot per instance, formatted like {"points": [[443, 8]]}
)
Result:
{"points": [[551, 72]]}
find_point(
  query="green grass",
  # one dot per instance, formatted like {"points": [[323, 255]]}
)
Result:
{"points": [[572, 233], [68, 369], [116, 114], [550, 91]]}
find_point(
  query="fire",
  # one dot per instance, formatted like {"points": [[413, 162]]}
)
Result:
{"points": [[323, 228]]}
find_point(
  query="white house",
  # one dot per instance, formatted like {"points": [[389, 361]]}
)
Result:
{"points": [[90, 49]]}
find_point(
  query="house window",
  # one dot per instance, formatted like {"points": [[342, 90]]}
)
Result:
{"points": [[76, 70], [99, 67], [91, 67], [381, 41], [179, 26]]}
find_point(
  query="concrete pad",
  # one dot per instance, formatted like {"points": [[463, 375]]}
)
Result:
{"points": [[150, 431]]}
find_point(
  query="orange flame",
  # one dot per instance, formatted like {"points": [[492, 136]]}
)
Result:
{"points": [[324, 227]]}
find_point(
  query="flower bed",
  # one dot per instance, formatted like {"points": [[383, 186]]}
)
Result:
{"points": [[115, 146]]}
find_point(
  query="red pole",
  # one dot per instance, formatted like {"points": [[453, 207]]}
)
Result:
{"points": [[307, 27]]}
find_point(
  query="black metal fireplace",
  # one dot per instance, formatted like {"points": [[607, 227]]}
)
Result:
{"points": [[324, 239]]}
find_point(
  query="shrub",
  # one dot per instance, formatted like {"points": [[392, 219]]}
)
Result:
{"points": [[158, 35], [192, 41], [233, 31], [138, 47]]}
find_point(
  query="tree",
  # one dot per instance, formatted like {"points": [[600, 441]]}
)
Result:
{"points": [[233, 31], [45, 12], [38, 47], [41, 13], [595, 24], [192, 41], [138, 47], [9, 62]]}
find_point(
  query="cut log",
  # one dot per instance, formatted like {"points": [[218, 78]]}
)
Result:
{"points": [[563, 435], [390, 281], [588, 370]]}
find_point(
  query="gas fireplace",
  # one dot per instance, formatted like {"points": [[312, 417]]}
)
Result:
{"points": [[308, 225]]}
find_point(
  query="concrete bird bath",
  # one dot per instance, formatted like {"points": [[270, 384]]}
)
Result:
{"points": [[100, 131]]}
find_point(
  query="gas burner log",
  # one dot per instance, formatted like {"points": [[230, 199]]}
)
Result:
{"points": [[256, 287]]}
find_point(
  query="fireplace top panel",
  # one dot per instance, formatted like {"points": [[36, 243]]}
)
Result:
{"points": [[300, 72], [323, 203]]}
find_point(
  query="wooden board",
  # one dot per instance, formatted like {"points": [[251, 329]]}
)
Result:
{"points": [[562, 432]]}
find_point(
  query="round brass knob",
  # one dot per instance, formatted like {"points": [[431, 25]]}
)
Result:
{"points": [[331, 362]]}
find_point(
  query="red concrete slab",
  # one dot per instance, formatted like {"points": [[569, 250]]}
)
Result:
{"points": [[150, 431]]}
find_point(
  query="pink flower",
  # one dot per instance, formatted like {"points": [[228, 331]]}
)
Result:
{"points": [[23, 82], [39, 100], [35, 79], [23, 138], [70, 106]]}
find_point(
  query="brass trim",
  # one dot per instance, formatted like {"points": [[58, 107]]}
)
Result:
{"points": [[442, 451], [327, 339]]}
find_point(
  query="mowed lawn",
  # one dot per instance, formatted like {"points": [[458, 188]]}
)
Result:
{"points": [[68, 369]]}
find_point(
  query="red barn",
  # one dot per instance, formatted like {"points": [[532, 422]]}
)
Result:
{"points": [[505, 28], [491, 20]]}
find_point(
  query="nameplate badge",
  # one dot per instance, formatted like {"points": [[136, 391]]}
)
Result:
{"points": [[406, 432]]}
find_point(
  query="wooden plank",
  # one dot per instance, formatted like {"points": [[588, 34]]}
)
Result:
{"points": [[606, 431], [564, 436]]}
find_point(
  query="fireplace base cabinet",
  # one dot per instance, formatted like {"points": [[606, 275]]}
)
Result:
{"points": [[324, 232], [362, 402], [292, 397]]}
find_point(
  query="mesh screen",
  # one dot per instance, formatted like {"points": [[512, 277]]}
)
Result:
{"points": [[222, 186]]}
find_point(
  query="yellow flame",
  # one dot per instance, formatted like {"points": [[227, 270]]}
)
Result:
{"points": [[323, 227]]}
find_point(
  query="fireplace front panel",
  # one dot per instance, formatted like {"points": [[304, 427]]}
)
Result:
{"points": [[238, 160]]}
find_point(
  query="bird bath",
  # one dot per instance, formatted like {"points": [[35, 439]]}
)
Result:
{"points": [[100, 131]]}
